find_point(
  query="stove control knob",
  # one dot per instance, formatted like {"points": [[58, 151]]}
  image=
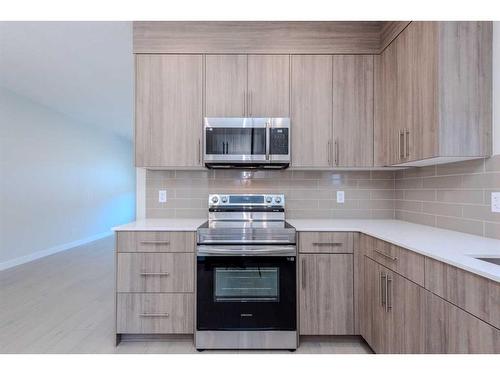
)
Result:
{"points": [[269, 199], [277, 200], [215, 199], [224, 199]]}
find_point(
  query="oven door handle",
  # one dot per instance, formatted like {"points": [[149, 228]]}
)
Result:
{"points": [[247, 250]]}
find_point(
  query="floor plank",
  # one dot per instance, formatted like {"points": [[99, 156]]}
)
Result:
{"points": [[64, 303]]}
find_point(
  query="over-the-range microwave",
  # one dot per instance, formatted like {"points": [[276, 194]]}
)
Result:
{"points": [[246, 142]]}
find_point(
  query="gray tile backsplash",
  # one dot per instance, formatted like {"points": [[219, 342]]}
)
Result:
{"points": [[309, 194], [453, 196]]}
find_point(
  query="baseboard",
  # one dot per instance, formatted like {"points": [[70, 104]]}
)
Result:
{"points": [[51, 250]]}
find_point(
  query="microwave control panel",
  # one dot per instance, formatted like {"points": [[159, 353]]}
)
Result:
{"points": [[278, 142]]}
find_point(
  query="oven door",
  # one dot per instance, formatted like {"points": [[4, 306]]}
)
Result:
{"points": [[245, 293], [235, 139]]}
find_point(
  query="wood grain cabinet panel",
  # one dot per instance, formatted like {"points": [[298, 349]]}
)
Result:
{"points": [[325, 242], [268, 86], [155, 272], [353, 110], [326, 294], [155, 313], [168, 110], [405, 262], [225, 85], [149, 241], [473, 293], [311, 110], [433, 94]]}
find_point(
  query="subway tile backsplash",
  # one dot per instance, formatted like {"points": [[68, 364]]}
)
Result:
{"points": [[454, 196], [309, 194]]}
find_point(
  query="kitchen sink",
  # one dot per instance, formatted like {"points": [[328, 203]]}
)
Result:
{"points": [[491, 260]]}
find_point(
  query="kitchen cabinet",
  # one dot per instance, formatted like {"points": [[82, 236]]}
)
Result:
{"points": [[352, 111], [225, 85], [268, 86], [326, 294], [434, 94], [168, 110], [326, 242], [311, 111]]}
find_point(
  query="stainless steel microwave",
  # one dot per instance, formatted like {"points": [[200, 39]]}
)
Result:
{"points": [[245, 142]]}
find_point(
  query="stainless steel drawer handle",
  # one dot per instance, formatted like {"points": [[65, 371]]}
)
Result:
{"points": [[155, 242], [303, 273], [383, 289], [386, 255], [389, 293], [154, 315], [327, 243], [155, 274]]}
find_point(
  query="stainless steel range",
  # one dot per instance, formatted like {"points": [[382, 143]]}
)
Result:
{"points": [[246, 274]]}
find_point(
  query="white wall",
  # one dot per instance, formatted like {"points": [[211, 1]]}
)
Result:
{"points": [[62, 183], [496, 88]]}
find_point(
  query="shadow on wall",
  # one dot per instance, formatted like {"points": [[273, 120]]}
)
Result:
{"points": [[62, 182]]}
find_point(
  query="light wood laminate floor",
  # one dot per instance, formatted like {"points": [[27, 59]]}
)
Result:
{"points": [[64, 304]]}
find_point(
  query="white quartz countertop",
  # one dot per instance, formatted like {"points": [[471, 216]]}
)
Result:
{"points": [[181, 225], [455, 248]]}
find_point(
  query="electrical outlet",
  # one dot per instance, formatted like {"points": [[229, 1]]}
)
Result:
{"points": [[340, 197], [495, 202], [162, 196]]}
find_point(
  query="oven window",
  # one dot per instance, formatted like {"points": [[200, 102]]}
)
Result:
{"points": [[235, 141], [246, 284]]}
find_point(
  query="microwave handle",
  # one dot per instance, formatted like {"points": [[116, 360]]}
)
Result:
{"points": [[268, 136]]}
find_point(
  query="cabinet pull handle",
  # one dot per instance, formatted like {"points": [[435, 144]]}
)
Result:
{"points": [[199, 151], [155, 274], [244, 103], [383, 288], [386, 255], [388, 288], [152, 242], [329, 152], [336, 152], [401, 145], [407, 143], [154, 315], [249, 104], [327, 243], [303, 274]]}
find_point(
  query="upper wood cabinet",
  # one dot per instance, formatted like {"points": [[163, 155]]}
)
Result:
{"points": [[268, 86], [433, 95], [168, 110], [225, 85], [311, 114], [353, 110]]}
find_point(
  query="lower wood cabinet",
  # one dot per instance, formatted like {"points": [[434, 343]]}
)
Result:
{"points": [[326, 295], [157, 313]]}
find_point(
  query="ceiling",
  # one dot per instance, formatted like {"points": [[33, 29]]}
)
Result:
{"points": [[82, 69]]}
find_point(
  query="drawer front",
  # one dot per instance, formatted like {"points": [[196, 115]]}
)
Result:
{"points": [[473, 293], [147, 313], [155, 272], [165, 242], [405, 262], [325, 242]]}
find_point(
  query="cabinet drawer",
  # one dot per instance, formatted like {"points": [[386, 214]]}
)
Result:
{"points": [[473, 293], [169, 242], [405, 262], [155, 272], [325, 242], [155, 313]]}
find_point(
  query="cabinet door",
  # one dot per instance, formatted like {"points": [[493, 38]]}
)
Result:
{"points": [[374, 299], [268, 86], [168, 110], [225, 85], [326, 294], [353, 110], [386, 125], [311, 101]]}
